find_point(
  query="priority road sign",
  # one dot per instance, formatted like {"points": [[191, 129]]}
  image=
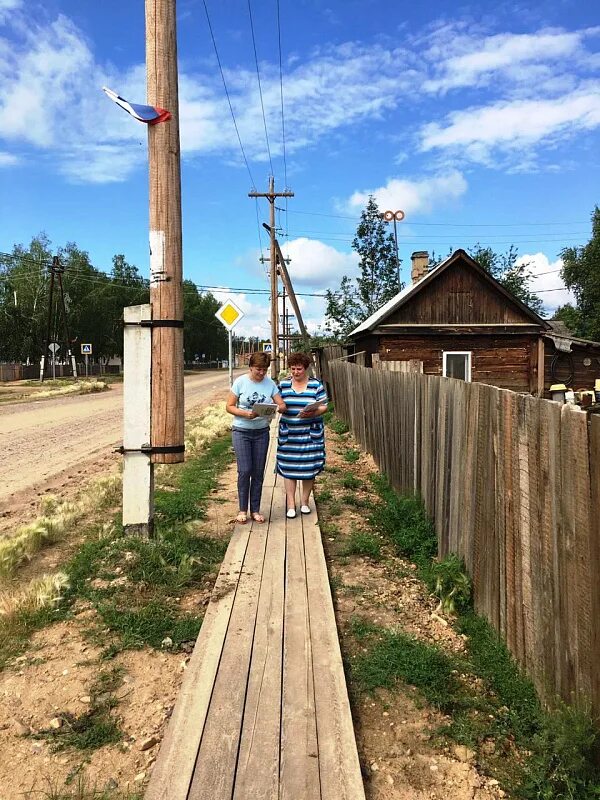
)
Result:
{"points": [[229, 314], [86, 349]]}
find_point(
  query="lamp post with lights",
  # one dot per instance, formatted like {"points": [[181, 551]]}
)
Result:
{"points": [[395, 216]]}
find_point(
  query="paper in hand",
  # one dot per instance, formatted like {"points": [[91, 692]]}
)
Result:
{"points": [[264, 409]]}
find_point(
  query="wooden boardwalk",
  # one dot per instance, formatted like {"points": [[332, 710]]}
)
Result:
{"points": [[263, 710]]}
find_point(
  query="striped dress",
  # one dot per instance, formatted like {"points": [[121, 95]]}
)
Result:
{"points": [[301, 442]]}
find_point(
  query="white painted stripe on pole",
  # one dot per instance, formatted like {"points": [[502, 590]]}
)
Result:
{"points": [[157, 255]]}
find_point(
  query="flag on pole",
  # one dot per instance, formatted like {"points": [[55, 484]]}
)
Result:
{"points": [[151, 115]]}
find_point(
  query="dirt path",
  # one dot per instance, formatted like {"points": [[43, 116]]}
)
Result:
{"points": [[55, 445]]}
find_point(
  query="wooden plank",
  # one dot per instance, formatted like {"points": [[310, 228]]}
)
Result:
{"points": [[257, 774], [594, 452], [175, 764], [217, 754], [339, 766], [567, 557], [299, 765]]}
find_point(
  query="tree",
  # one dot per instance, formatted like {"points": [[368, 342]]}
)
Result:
{"points": [[377, 282], [571, 316], [504, 268], [581, 274]]}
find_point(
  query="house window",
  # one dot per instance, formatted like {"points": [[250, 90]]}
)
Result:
{"points": [[457, 365]]}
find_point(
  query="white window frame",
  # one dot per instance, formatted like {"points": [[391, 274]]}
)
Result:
{"points": [[467, 353]]}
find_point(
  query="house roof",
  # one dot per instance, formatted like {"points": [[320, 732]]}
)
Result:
{"points": [[414, 288]]}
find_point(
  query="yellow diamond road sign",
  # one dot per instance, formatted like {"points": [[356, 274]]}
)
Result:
{"points": [[229, 314]]}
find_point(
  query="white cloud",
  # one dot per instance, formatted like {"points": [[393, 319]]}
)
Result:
{"points": [[413, 196], [514, 54], [474, 132], [546, 278], [8, 159], [317, 264]]}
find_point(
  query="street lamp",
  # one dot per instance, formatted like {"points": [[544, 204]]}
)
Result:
{"points": [[395, 216]]}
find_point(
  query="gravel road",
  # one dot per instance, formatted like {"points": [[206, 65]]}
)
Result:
{"points": [[49, 444]]}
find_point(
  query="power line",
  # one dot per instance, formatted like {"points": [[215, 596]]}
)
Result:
{"points": [[227, 94], [281, 93], [260, 87], [448, 224]]}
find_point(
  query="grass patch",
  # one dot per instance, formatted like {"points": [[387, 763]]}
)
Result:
{"points": [[79, 789], [363, 544], [535, 754], [338, 426], [352, 500], [96, 727], [351, 455], [134, 584], [350, 481], [324, 495]]}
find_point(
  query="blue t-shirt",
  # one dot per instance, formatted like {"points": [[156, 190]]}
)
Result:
{"points": [[249, 392]]}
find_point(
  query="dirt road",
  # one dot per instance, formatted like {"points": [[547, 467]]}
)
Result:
{"points": [[52, 444]]}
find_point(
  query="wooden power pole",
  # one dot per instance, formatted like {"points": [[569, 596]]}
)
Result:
{"points": [[271, 195], [166, 295]]}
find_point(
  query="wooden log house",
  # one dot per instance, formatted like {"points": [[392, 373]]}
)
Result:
{"points": [[456, 320]]}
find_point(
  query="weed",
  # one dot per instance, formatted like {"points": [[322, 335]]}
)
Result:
{"points": [[94, 728], [82, 789], [353, 500], [363, 544], [403, 520], [324, 495], [338, 426], [334, 509], [332, 468], [349, 481], [351, 455], [362, 628], [452, 584]]}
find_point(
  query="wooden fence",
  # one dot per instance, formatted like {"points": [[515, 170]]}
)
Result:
{"points": [[512, 483]]}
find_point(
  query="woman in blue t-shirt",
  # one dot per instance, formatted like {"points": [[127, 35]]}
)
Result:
{"points": [[251, 432]]}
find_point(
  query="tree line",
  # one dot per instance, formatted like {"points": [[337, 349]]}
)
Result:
{"points": [[94, 302]]}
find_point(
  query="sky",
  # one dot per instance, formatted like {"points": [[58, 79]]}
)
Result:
{"points": [[479, 121]]}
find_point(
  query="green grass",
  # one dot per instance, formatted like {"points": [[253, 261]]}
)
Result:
{"points": [[338, 426], [351, 455], [537, 753], [96, 727], [363, 544], [78, 789], [350, 481], [352, 500], [133, 583], [324, 495]]}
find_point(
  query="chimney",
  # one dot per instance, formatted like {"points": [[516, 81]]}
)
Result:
{"points": [[420, 260]]}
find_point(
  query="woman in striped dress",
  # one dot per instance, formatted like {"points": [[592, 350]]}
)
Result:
{"points": [[301, 441]]}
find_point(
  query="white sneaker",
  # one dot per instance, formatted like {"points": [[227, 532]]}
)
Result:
{"points": [[290, 513], [305, 509]]}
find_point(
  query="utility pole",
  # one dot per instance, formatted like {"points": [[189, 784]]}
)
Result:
{"points": [[166, 295], [57, 271], [271, 195]]}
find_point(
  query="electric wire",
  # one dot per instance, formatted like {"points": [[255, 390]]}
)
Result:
{"points": [[260, 86], [227, 95]]}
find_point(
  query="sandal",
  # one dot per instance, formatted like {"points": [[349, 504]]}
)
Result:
{"points": [[242, 518], [305, 509], [257, 516], [290, 513]]}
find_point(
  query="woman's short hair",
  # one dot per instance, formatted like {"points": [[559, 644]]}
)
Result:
{"points": [[260, 359], [294, 359]]}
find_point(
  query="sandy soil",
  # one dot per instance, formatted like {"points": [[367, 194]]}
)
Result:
{"points": [[57, 445]]}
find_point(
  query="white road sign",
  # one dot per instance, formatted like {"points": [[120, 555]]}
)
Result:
{"points": [[229, 314]]}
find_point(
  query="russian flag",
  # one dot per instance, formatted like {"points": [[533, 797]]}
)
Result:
{"points": [[151, 115]]}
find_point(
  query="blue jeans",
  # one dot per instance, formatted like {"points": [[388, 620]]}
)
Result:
{"points": [[251, 447]]}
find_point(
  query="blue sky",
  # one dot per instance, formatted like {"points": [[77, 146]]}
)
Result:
{"points": [[479, 121]]}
